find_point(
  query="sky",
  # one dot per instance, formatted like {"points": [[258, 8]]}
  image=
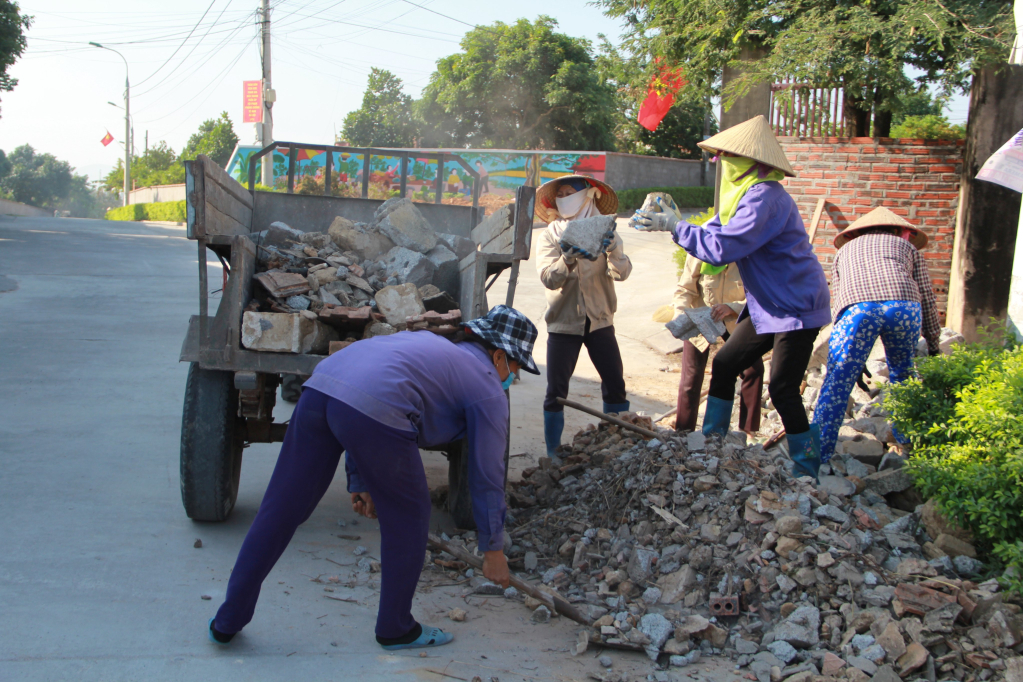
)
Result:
{"points": [[187, 64], [321, 54]]}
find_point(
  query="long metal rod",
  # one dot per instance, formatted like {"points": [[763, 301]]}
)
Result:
{"points": [[559, 604]]}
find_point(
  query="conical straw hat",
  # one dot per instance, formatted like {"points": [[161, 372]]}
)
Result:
{"points": [[881, 217], [547, 211], [753, 139]]}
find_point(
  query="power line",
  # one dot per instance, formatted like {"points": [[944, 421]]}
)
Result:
{"points": [[433, 11], [178, 48], [190, 52]]}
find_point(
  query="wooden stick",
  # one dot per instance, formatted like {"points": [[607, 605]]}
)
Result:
{"points": [[608, 418], [559, 604], [774, 440], [816, 219]]}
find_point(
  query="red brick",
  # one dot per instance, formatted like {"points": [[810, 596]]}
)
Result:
{"points": [[942, 169], [897, 195], [884, 168]]}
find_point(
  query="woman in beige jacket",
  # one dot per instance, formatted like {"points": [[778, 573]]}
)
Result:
{"points": [[699, 287], [581, 298]]}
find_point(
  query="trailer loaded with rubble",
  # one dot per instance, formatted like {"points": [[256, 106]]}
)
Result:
{"points": [[307, 275]]}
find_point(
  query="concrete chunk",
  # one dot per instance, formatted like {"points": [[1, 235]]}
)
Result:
{"points": [[281, 235], [696, 321], [588, 233], [398, 303], [460, 246], [446, 277], [404, 225], [366, 241], [285, 333], [409, 266]]}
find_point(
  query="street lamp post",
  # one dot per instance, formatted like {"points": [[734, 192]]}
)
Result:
{"points": [[132, 119], [127, 123]]}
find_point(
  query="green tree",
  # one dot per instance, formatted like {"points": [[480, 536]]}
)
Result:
{"points": [[862, 47], [680, 131], [215, 138], [36, 179], [159, 165], [13, 25], [917, 103], [385, 117], [519, 86], [929, 127]]}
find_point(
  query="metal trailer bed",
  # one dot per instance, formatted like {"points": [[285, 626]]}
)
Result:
{"points": [[230, 392]]}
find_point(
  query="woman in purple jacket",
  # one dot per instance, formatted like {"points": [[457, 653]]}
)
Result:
{"points": [[377, 401], [758, 227]]}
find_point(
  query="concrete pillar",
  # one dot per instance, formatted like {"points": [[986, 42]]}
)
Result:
{"points": [[989, 214], [755, 102]]}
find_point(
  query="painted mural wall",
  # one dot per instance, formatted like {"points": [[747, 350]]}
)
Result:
{"points": [[501, 171]]}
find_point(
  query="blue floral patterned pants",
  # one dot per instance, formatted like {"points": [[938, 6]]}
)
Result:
{"points": [[852, 338]]}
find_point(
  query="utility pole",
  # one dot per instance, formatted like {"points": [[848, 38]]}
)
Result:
{"points": [[268, 99]]}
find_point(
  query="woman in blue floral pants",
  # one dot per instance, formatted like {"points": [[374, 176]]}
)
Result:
{"points": [[881, 288], [852, 338]]}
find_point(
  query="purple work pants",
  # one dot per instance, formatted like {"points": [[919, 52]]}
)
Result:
{"points": [[390, 469]]}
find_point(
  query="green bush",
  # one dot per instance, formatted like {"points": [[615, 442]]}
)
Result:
{"points": [[129, 212], [923, 408], [962, 416], [685, 197], [167, 211], [929, 127]]}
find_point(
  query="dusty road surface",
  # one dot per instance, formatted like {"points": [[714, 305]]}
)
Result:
{"points": [[99, 578]]}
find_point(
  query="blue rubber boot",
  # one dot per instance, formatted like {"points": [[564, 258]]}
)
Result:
{"points": [[553, 426], [805, 452], [616, 408], [718, 416], [430, 637]]}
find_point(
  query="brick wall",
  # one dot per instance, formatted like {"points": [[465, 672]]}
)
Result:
{"points": [[916, 179]]}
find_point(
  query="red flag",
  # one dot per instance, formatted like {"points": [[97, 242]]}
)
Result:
{"points": [[660, 95], [107, 139]]}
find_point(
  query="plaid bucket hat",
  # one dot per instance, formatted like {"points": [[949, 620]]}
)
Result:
{"points": [[509, 330]]}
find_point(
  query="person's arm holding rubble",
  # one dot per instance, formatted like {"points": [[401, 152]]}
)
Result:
{"points": [[750, 228], [553, 264], [487, 432], [931, 327], [619, 267]]}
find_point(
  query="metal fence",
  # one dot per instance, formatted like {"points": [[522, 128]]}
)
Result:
{"points": [[800, 110]]}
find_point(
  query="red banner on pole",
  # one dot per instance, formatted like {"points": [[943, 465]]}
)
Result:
{"points": [[107, 139], [252, 101], [661, 91]]}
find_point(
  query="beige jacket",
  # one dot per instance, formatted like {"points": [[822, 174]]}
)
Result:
{"points": [[695, 290], [587, 290]]}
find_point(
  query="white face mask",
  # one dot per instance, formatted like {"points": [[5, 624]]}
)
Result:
{"points": [[572, 204]]}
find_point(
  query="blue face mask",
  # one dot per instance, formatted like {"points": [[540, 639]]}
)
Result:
{"points": [[506, 384]]}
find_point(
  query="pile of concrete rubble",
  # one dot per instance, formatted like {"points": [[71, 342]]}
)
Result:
{"points": [[660, 541], [320, 291]]}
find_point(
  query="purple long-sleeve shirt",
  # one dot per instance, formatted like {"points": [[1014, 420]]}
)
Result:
{"points": [[443, 391], [785, 284]]}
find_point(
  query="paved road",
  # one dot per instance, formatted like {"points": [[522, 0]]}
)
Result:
{"points": [[99, 579]]}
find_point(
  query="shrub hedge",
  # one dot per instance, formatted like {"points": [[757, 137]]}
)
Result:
{"points": [[685, 197], [962, 416], [167, 211]]}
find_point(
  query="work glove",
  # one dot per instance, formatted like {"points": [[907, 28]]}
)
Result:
{"points": [[609, 243], [662, 216]]}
